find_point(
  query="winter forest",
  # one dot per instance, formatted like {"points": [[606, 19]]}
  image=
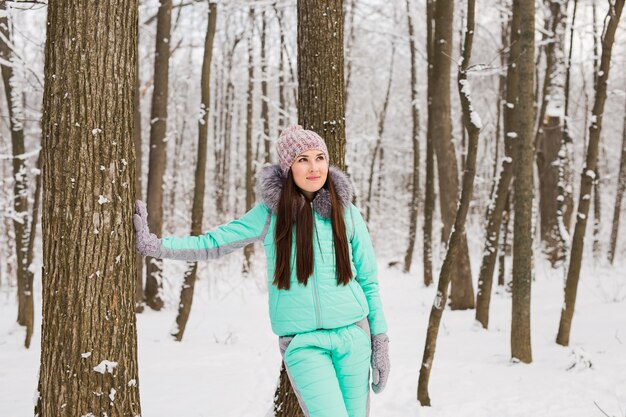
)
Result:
{"points": [[485, 141]]}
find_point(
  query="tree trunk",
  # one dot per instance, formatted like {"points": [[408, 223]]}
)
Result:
{"points": [[139, 296], [320, 108], [462, 292], [349, 15], [564, 199], [285, 400], [522, 235], [619, 195], [472, 123], [158, 148], [21, 221], [320, 74], [89, 340], [549, 129], [222, 174], [379, 137], [587, 176], [282, 99], [597, 213], [413, 208], [265, 99], [504, 249], [496, 208], [429, 197], [248, 251], [505, 29], [597, 193], [172, 184], [186, 294]]}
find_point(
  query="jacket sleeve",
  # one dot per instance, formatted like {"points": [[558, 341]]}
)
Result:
{"points": [[220, 241], [367, 271]]}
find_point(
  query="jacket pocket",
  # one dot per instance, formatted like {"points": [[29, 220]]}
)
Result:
{"points": [[363, 327], [359, 300]]}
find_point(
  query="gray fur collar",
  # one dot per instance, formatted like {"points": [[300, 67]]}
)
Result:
{"points": [[270, 184]]}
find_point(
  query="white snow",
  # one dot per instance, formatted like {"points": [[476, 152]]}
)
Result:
{"points": [[102, 199], [105, 366], [229, 349]]}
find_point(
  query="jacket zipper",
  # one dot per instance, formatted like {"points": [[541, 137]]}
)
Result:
{"points": [[318, 315]]}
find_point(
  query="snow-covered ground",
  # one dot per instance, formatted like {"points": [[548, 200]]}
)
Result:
{"points": [[228, 363]]}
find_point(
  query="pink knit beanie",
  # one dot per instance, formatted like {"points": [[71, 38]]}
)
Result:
{"points": [[293, 141]]}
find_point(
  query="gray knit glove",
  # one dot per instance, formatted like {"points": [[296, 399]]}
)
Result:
{"points": [[380, 362], [147, 243]]}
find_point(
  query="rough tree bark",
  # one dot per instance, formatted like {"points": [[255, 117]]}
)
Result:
{"points": [[320, 74], [496, 208], [587, 175], [522, 234], [472, 123], [89, 340], [462, 292], [158, 148], [21, 219], [415, 120], [197, 211], [139, 295]]}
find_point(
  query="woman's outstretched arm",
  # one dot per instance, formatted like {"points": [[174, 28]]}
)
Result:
{"points": [[222, 240]]}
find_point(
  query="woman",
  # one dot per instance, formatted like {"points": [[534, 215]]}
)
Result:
{"points": [[324, 302]]}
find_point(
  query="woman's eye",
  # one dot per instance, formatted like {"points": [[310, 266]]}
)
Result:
{"points": [[321, 158]]}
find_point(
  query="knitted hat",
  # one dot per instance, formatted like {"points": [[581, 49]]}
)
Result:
{"points": [[293, 141]]}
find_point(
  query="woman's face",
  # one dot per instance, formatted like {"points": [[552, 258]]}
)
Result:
{"points": [[309, 171]]}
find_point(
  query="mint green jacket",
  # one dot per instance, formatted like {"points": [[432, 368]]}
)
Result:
{"points": [[321, 304]]}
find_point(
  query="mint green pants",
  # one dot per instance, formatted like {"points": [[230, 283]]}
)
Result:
{"points": [[329, 370]]}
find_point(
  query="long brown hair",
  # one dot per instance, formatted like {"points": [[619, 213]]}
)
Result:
{"points": [[291, 202]]}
